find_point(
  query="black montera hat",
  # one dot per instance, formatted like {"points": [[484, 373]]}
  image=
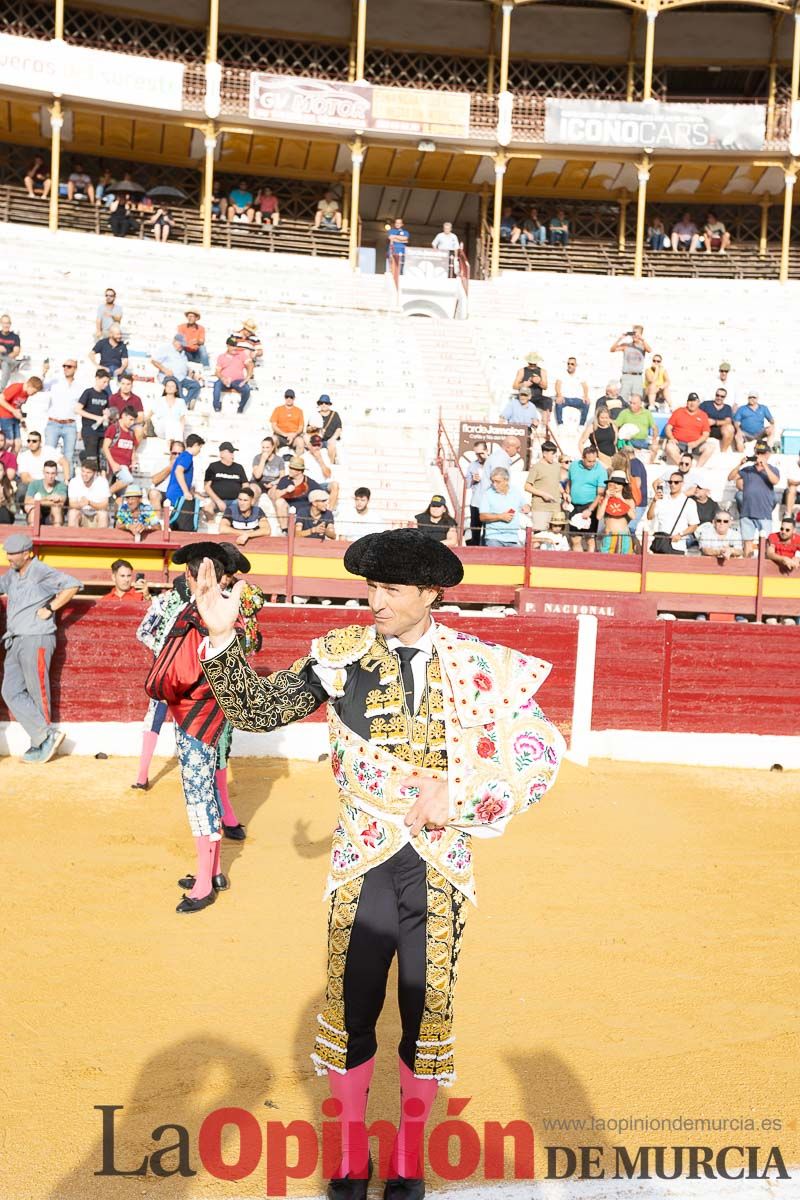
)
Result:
{"points": [[404, 556], [192, 550], [233, 558]]}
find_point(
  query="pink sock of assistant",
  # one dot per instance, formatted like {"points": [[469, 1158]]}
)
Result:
{"points": [[149, 742], [228, 815], [217, 848], [416, 1101], [352, 1089], [205, 860]]}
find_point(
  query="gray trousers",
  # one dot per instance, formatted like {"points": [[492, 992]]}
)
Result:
{"points": [[26, 683], [7, 368]]}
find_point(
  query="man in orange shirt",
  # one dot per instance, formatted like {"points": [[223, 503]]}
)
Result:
{"points": [[194, 338], [688, 431], [287, 420], [127, 589]]}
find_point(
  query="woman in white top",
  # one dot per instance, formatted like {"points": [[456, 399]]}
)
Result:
{"points": [[169, 413]]}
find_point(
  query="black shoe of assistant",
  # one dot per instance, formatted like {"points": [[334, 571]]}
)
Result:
{"points": [[404, 1189], [236, 833], [188, 905], [347, 1188]]}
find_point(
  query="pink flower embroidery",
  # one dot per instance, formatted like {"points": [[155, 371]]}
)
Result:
{"points": [[529, 743], [489, 808], [482, 682], [485, 747], [371, 835], [336, 763], [434, 835]]}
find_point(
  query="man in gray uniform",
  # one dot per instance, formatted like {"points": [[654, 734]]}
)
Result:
{"points": [[35, 593]]}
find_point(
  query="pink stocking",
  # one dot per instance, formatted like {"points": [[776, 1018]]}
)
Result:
{"points": [[228, 815], [205, 860], [416, 1101], [149, 741], [352, 1089], [215, 866]]}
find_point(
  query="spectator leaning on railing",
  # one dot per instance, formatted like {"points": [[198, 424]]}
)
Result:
{"points": [[436, 522], [783, 547], [135, 515], [244, 518], [717, 539], [501, 508]]}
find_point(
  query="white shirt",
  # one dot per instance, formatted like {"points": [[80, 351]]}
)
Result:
{"points": [[168, 421], [445, 241], [33, 464], [690, 479], [355, 525], [63, 398], [97, 491], [670, 515]]}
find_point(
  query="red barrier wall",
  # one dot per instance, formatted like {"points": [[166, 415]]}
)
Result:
{"points": [[677, 676]]}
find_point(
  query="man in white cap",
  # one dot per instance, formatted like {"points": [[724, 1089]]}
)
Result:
{"points": [[35, 593]]}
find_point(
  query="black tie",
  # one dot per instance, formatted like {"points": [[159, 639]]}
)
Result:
{"points": [[405, 654]]}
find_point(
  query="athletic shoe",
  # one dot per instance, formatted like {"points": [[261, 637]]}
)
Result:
{"points": [[43, 753]]}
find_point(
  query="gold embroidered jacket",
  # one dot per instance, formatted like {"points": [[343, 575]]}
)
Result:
{"points": [[479, 726]]}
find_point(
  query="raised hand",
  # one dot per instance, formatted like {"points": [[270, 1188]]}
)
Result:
{"points": [[219, 612]]}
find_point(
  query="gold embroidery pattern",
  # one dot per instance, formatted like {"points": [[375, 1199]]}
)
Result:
{"points": [[253, 702], [340, 647], [330, 1045], [445, 923], [417, 738]]}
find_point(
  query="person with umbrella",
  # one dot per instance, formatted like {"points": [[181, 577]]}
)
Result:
{"points": [[161, 222], [122, 209]]}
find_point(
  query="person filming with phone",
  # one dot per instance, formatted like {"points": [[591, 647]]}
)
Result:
{"points": [[129, 588]]}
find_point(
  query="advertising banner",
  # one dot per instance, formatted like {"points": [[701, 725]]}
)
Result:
{"points": [[651, 124]]}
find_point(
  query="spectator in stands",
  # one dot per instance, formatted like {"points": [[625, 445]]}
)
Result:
{"points": [[535, 375], [688, 472], [128, 588], [168, 414], [707, 507], [181, 473], [636, 425], [30, 463], [501, 508], [723, 379], [267, 208], [161, 222], [715, 235], [171, 363], [103, 192], [553, 537], [64, 392], [585, 488], [436, 522], [50, 493], [154, 494], [358, 520], [108, 313], [37, 179], [11, 411], [122, 215], [688, 429], [135, 515], [474, 475], [672, 516], [508, 223], [626, 460], [567, 390], [223, 480], [559, 229], [8, 457], [240, 203], [757, 482], [243, 517], [601, 436], [720, 418], [194, 338], [88, 497], [657, 237], [93, 407], [234, 369], [616, 511], [634, 350], [507, 455], [532, 230], [331, 428], [610, 399], [544, 487], [8, 497], [219, 203], [79, 185], [119, 449], [10, 351], [111, 352], [448, 242], [520, 410], [396, 244], [717, 539], [658, 385], [247, 339], [327, 217], [753, 421], [293, 489], [125, 397], [268, 466], [783, 547], [685, 235], [316, 521], [287, 419]]}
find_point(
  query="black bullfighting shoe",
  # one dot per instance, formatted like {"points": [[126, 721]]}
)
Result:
{"points": [[347, 1188], [404, 1189]]}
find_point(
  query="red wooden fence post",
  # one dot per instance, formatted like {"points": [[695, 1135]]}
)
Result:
{"points": [[526, 568], [290, 557], [760, 560], [666, 678]]}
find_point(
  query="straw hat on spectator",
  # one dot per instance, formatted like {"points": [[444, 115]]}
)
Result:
{"points": [[250, 325], [533, 357], [192, 312]]}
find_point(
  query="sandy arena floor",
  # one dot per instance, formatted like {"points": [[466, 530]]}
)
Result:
{"points": [[634, 954]]}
